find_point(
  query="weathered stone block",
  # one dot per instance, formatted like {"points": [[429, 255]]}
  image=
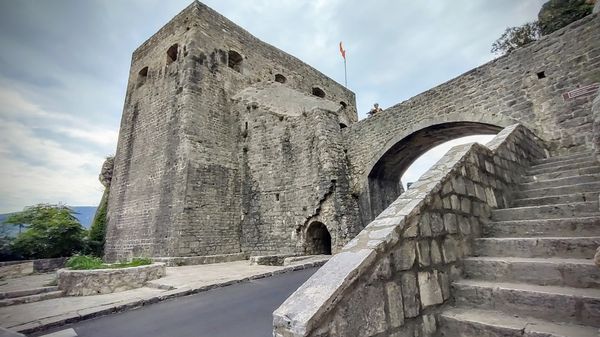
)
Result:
{"points": [[362, 313], [429, 288], [450, 223], [435, 253], [425, 225], [395, 306], [450, 249], [423, 253], [437, 224], [404, 255], [410, 295]]}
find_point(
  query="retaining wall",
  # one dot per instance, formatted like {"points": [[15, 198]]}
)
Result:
{"points": [[195, 260], [26, 267], [105, 281], [393, 277]]}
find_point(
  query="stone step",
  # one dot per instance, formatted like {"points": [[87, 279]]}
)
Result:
{"points": [[563, 162], [559, 182], [555, 159], [563, 174], [544, 247], [27, 292], [560, 167], [557, 199], [576, 209], [455, 322], [577, 273], [30, 298], [559, 304], [552, 191], [565, 227]]}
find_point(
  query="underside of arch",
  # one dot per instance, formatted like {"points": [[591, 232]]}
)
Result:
{"points": [[384, 184]]}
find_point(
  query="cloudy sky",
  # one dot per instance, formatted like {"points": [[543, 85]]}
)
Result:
{"points": [[64, 66]]}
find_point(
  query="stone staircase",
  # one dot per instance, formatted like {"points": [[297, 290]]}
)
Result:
{"points": [[29, 296], [532, 272]]}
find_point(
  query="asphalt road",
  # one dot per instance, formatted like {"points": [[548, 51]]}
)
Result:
{"points": [[243, 309]]}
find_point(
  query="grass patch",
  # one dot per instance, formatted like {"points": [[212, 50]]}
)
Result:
{"points": [[84, 262]]}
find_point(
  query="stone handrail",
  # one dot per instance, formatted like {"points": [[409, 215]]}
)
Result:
{"points": [[397, 272]]}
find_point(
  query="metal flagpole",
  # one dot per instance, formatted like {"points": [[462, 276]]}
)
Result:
{"points": [[343, 52], [345, 74]]}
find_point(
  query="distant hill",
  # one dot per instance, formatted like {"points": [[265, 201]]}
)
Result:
{"points": [[85, 215]]}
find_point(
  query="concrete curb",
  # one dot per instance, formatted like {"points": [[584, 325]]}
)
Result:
{"points": [[81, 315]]}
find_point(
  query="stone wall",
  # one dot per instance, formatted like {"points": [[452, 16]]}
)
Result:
{"points": [[393, 277], [26, 267], [105, 281], [525, 86], [178, 185], [596, 119], [16, 268], [293, 172], [196, 260], [47, 265]]}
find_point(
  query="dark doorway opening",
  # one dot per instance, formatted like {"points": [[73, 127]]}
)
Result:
{"points": [[318, 239]]}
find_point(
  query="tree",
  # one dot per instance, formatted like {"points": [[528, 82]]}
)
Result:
{"points": [[556, 14], [516, 37], [53, 231], [98, 229]]}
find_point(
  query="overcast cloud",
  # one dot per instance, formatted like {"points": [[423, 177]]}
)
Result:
{"points": [[64, 67]]}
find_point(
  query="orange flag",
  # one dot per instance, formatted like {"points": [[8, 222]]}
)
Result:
{"points": [[342, 51]]}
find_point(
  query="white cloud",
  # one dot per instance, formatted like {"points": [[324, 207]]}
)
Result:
{"points": [[36, 168]]}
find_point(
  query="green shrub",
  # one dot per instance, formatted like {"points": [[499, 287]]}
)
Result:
{"points": [[85, 262], [98, 229], [135, 262], [81, 262]]}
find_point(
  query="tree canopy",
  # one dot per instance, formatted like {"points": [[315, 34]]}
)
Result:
{"points": [[516, 37], [53, 231]]}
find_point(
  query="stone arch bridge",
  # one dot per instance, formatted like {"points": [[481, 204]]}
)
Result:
{"points": [[539, 86]]}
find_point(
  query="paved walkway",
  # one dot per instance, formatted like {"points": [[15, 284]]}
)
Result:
{"points": [[180, 281]]}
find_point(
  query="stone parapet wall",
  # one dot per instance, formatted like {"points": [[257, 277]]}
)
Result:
{"points": [[394, 276], [269, 260], [16, 268], [596, 123], [195, 260], [26, 267], [47, 265], [105, 281]]}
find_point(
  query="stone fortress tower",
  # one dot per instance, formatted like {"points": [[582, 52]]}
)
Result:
{"points": [[228, 145]]}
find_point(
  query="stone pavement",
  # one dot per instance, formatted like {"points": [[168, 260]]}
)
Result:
{"points": [[27, 282], [180, 281]]}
